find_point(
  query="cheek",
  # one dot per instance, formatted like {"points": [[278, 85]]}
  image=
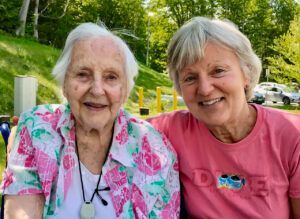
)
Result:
{"points": [[71, 91], [188, 93], [117, 94], [76, 87]]}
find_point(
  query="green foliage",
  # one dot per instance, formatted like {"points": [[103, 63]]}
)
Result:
{"points": [[25, 57], [9, 10], [261, 20], [161, 30], [114, 14], [285, 65]]}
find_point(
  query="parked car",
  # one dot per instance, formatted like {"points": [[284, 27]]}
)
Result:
{"points": [[278, 93], [257, 98], [264, 86]]}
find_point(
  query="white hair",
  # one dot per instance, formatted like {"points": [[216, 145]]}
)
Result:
{"points": [[90, 30], [189, 42]]}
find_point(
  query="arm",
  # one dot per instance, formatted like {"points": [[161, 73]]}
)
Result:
{"points": [[11, 139], [295, 204], [24, 196], [25, 206], [171, 209]]}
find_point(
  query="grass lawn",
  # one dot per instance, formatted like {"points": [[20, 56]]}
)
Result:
{"points": [[290, 108]]}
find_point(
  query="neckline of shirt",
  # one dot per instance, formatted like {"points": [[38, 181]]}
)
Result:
{"points": [[245, 142]]}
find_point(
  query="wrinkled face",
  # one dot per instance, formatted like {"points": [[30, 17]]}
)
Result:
{"points": [[95, 83], [213, 87]]}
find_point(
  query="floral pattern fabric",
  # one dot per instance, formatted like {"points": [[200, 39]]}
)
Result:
{"points": [[141, 169]]}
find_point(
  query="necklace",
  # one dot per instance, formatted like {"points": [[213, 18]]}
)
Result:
{"points": [[87, 210]]}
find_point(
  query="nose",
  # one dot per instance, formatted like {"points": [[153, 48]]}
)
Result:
{"points": [[205, 86], [97, 87]]}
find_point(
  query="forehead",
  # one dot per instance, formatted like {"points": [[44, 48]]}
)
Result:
{"points": [[97, 48], [217, 48], [211, 52]]}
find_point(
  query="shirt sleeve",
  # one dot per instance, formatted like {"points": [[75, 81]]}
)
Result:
{"points": [[21, 175], [294, 191], [168, 205], [161, 123], [171, 208]]}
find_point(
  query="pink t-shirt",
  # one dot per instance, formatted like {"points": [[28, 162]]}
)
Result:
{"points": [[253, 178]]}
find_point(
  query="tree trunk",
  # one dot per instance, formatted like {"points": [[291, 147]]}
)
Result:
{"points": [[36, 20], [22, 18]]}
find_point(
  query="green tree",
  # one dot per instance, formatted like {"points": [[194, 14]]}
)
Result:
{"points": [[285, 65], [9, 10], [127, 17]]}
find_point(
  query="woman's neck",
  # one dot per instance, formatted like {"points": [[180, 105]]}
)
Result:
{"points": [[93, 147], [236, 130]]}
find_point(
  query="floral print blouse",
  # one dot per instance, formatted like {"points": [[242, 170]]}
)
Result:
{"points": [[142, 168]]}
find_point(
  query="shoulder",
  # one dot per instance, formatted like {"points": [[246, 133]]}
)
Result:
{"points": [[147, 136], [48, 113], [279, 119], [174, 123], [282, 128], [166, 120], [180, 115], [46, 109]]}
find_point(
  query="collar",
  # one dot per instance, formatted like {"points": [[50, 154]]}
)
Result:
{"points": [[66, 125], [123, 144]]}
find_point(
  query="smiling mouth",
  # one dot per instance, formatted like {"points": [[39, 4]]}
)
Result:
{"points": [[210, 102], [95, 106]]}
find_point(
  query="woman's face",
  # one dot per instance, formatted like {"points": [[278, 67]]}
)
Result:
{"points": [[213, 87], [95, 83]]}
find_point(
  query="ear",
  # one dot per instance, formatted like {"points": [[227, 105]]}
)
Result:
{"points": [[246, 79], [63, 87], [247, 82], [126, 94]]}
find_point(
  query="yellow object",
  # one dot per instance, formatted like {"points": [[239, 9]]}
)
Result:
{"points": [[141, 97], [174, 100], [158, 99]]}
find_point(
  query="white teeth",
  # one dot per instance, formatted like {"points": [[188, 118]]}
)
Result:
{"points": [[210, 102]]}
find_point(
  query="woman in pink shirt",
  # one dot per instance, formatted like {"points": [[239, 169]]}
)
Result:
{"points": [[236, 160]]}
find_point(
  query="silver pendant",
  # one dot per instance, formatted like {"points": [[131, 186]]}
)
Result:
{"points": [[87, 211]]}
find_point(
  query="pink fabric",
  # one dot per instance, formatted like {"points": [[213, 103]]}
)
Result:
{"points": [[253, 178]]}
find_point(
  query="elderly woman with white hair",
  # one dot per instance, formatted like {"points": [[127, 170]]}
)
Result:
{"points": [[236, 160], [89, 158]]}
